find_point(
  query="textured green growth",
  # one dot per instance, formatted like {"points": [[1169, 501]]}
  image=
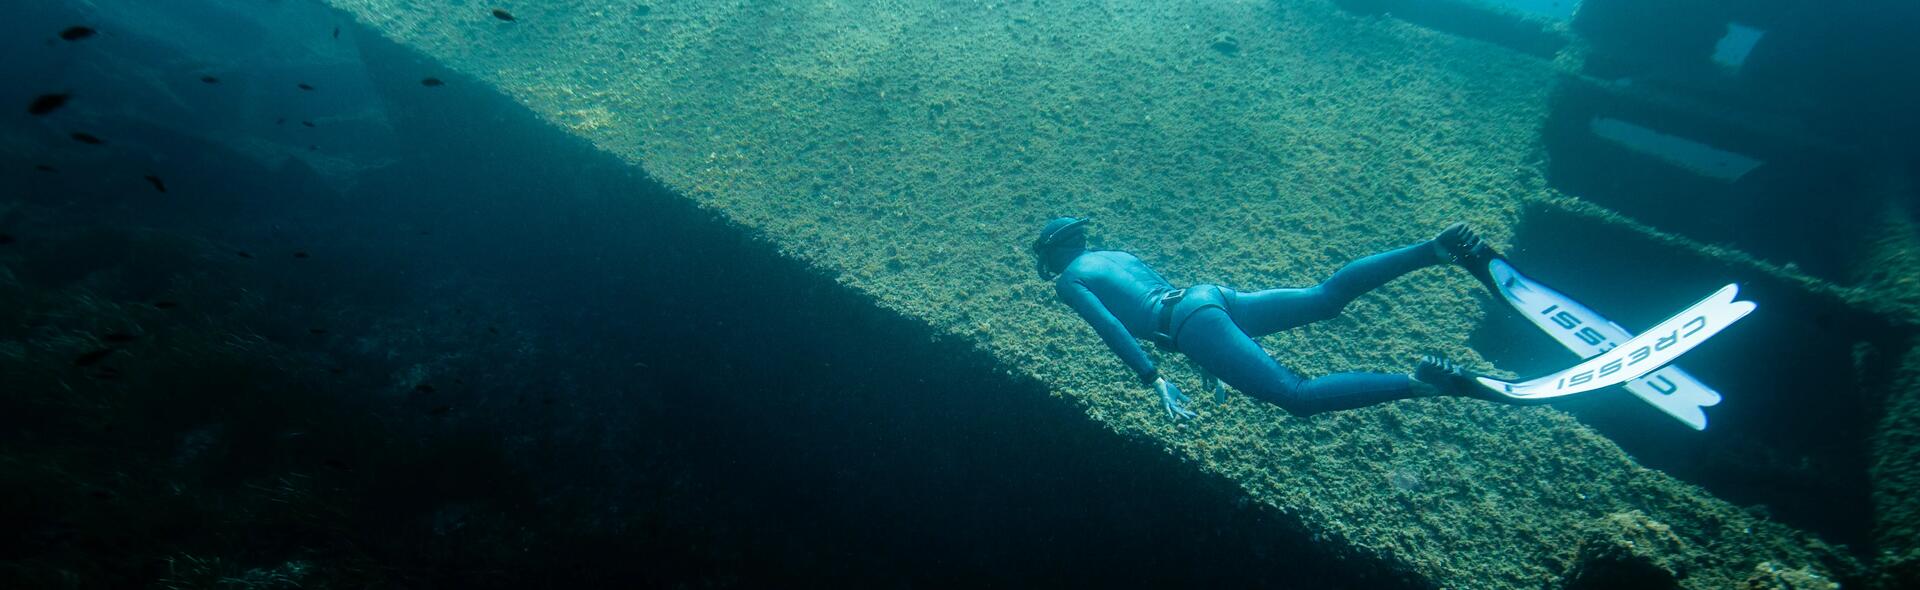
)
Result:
{"points": [[911, 148]]}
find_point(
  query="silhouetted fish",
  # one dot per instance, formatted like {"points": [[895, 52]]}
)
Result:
{"points": [[107, 373], [300, 254], [432, 82], [90, 358], [440, 410], [502, 14], [336, 32], [209, 80], [493, 330], [47, 103], [307, 123], [316, 331], [76, 33], [280, 121], [305, 86], [157, 183], [244, 254], [337, 370], [117, 337], [43, 168], [6, 239], [86, 138], [163, 304], [338, 464], [423, 388]]}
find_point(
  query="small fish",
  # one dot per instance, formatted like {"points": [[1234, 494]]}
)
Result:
{"points": [[300, 254], [280, 121], [306, 87], [493, 330], [502, 14], [86, 138], [209, 80], [431, 82], [107, 373], [101, 494], [423, 388], [313, 148], [44, 168], [307, 123], [244, 254], [88, 359], [157, 183], [337, 370], [6, 239], [338, 464], [336, 32], [440, 410], [547, 401], [76, 33], [118, 337], [164, 304], [459, 381], [47, 103], [317, 331]]}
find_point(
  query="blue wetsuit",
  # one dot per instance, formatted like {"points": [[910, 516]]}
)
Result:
{"points": [[1215, 326]]}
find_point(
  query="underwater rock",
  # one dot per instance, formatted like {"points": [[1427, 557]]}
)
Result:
{"points": [[1225, 42], [1772, 576], [1627, 550]]}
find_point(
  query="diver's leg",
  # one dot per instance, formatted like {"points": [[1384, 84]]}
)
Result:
{"points": [[1264, 312], [1212, 340]]}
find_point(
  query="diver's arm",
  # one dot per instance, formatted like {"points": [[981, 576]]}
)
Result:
{"points": [[1083, 302]]}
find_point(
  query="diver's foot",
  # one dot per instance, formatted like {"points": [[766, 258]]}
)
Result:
{"points": [[1458, 244], [1452, 379]]}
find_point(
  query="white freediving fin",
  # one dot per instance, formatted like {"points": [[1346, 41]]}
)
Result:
{"points": [[1588, 334], [1636, 357]]}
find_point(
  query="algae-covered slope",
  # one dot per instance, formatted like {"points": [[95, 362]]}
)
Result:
{"points": [[910, 149]]}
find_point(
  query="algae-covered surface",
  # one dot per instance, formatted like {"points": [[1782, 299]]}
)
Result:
{"points": [[910, 150]]}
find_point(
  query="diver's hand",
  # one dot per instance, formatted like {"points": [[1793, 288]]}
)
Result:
{"points": [[1171, 397], [1212, 383]]}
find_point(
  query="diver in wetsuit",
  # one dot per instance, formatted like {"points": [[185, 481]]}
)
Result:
{"points": [[1215, 326]]}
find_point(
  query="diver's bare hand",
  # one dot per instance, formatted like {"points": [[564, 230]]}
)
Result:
{"points": [[1175, 402], [1211, 383]]}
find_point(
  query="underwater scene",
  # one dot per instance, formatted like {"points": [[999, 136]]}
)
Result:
{"points": [[1504, 294]]}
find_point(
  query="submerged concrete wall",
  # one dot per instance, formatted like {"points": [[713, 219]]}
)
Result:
{"points": [[910, 149]]}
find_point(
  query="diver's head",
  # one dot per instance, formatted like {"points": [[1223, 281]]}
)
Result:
{"points": [[1062, 240]]}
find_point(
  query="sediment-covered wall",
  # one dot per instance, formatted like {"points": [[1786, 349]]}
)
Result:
{"points": [[910, 149]]}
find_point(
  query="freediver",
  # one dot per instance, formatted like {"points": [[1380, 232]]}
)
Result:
{"points": [[1215, 326]]}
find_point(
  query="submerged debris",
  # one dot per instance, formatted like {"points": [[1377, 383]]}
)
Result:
{"points": [[76, 33], [47, 103]]}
